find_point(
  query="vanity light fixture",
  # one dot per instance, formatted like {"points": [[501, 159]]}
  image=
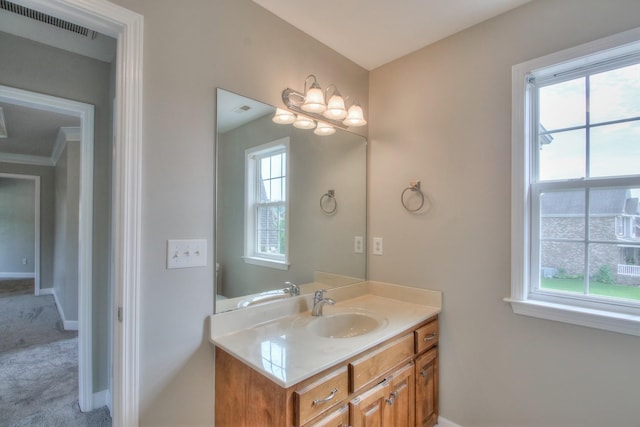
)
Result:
{"points": [[324, 129], [283, 117], [311, 105], [302, 122], [355, 116], [335, 106], [314, 97]]}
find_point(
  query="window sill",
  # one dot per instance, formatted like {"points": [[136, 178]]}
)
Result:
{"points": [[599, 319], [264, 262]]}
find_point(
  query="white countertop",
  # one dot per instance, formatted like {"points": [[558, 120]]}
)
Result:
{"points": [[275, 339]]}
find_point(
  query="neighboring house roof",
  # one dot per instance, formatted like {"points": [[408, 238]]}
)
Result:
{"points": [[602, 202]]}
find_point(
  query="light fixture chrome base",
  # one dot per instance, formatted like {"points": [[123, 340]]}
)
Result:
{"points": [[293, 100]]}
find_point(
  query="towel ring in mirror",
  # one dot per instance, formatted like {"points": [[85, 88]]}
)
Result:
{"points": [[413, 189], [328, 202]]}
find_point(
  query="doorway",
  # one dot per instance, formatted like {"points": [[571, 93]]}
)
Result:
{"points": [[85, 114], [127, 27]]}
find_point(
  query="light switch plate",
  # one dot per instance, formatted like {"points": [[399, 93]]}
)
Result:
{"points": [[186, 253], [377, 245]]}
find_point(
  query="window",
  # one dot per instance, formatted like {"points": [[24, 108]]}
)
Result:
{"points": [[267, 205], [576, 185]]}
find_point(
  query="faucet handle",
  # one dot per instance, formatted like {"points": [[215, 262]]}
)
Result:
{"points": [[319, 295], [292, 288]]}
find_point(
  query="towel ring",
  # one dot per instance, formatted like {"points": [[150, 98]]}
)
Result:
{"points": [[414, 187], [328, 197]]}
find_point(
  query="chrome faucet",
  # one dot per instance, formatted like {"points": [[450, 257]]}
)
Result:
{"points": [[319, 301], [291, 289]]}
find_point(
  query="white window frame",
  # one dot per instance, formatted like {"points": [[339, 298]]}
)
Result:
{"points": [[613, 317], [251, 256]]}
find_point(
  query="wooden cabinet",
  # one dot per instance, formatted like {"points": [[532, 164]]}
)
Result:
{"points": [[368, 408], [314, 399], [392, 384], [427, 388], [400, 410], [336, 418]]}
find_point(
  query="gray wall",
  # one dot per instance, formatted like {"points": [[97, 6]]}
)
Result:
{"points": [[317, 164], [46, 214], [188, 52], [17, 226], [67, 203], [55, 72], [443, 114]]}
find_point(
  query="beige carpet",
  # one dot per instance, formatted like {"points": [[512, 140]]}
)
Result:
{"points": [[39, 367], [27, 320]]}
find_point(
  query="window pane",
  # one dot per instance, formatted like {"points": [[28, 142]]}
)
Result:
{"points": [[615, 150], [264, 191], [271, 230], [615, 94], [276, 166], [563, 105], [606, 208], [563, 157], [562, 215], [562, 266], [265, 168], [613, 272], [276, 190]]}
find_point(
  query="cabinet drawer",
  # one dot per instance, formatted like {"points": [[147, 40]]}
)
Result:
{"points": [[336, 418], [321, 395], [427, 336], [373, 365]]}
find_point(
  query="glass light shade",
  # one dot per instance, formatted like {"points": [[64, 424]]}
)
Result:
{"points": [[314, 100], [304, 123], [283, 117], [335, 108], [355, 116], [324, 129]]}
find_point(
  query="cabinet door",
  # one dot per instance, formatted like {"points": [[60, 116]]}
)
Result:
{"points": [[367, 410], [400, 409], [427, 389]]}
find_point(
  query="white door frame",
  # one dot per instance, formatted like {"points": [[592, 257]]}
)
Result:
{"points": [[127, 27], [36, 225], [85, 113]]}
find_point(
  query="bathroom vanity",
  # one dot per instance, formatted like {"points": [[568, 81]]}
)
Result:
{"points": [[370, 359]]}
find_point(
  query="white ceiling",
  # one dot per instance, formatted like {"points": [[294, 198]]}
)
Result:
{"points": [[374, 32]]}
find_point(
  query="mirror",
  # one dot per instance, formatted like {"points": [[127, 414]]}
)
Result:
{"points": [[290, 205]]}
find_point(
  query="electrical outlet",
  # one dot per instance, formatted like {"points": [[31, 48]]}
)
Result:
{"points": [[377, 245], [358, 244], [24, 261]]}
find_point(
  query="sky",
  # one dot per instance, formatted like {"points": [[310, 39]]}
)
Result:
{"points": [[614, 148]]}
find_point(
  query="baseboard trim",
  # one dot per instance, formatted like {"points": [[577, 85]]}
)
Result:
{"points": [[47, 291], [443, 422], [68, 325], [17, 275]]}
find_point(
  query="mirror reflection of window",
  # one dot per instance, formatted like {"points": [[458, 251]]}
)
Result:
{"points": [[266, 205]]}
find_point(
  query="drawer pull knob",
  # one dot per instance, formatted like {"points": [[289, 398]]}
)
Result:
{"points": [[423, 373], [429, 337], [326, 399], [392, 397]]}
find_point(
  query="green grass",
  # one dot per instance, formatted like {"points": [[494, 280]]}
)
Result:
{"points": [[595, 288]]}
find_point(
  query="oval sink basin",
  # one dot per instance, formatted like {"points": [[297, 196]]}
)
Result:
{"points": [[262, 298], [346, 325]]}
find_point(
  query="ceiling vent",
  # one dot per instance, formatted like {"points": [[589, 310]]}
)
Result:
{"points": [[47, 19], [241, 109]]}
